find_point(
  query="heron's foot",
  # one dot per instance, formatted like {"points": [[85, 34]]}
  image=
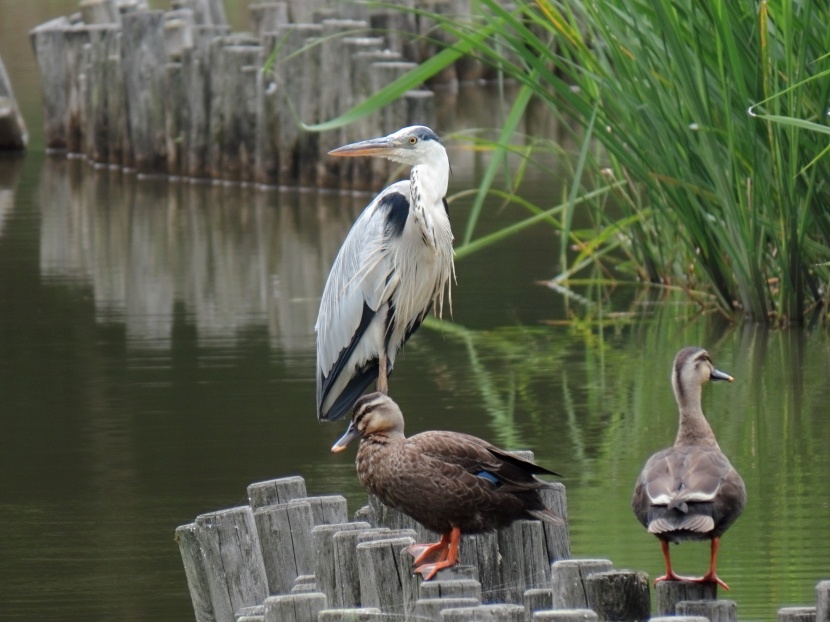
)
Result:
{"points": [[427, 571], [428, 553]]}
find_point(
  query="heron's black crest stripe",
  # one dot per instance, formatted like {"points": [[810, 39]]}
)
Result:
{"points": [[396, 206], [424, 133], [344, 402]]}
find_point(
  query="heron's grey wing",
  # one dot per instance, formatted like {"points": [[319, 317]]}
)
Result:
{"points": [[358, 286]]}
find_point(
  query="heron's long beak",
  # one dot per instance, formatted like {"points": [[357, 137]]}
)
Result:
{"points": [[373, 147], [719, 375], [351, 433]]}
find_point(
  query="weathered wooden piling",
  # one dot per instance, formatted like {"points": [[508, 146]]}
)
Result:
{"points": [[294, 607], [713, 610], [568, 581], [484, 613], [275, 491], [797, 614], [195, 572], [324, 562], [619, 595], [383, 572], [49, 44], [326, 509], [823, 601], [566, 615], [367, 614], [528, 565], [482, 551], [669, 593], [431, 608], [346, 574], [233, 561], [285, 533], [13, 134]]}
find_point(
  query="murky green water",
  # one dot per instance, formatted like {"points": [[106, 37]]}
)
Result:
{"points": [[156, 357]]}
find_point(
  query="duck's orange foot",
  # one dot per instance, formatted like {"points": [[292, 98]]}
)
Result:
{"points": [[671, 576], [427, 571], [428, 553], [711, 577]]}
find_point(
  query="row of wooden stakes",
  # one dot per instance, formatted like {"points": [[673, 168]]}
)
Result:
{"points": [[176, 93], [288, 557]]}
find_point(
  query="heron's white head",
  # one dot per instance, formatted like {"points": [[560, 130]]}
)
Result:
{"points": [[413, 146]]}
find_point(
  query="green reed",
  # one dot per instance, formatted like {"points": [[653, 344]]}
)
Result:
{"points": [[711, 117]]}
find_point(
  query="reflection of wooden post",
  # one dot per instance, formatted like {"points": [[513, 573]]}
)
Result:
{"points": [[144, 61]]}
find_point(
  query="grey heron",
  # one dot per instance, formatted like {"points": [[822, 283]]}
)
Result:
{"points": [[394, 266]]}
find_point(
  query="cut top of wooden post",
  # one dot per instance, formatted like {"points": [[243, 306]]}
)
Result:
{"points": [[276, 491]]}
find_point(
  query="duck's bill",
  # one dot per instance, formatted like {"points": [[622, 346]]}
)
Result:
{"points": [[348, 437], [719, 375]]}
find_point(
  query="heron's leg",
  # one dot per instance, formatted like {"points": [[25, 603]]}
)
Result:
{"points": [[382, 383], [712, 575]]}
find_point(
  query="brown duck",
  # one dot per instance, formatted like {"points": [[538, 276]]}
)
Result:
{"points": [[451, 483], [690, 491]]}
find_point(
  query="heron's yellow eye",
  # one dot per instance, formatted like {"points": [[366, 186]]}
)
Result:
{"points": [[412, 140]]}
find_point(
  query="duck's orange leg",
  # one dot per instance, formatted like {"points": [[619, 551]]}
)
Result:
{"points": [[670, 574], [427, 552], [428, 570], [712, 575]]}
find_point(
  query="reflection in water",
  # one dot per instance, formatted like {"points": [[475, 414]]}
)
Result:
{"points": [[234, 257]]}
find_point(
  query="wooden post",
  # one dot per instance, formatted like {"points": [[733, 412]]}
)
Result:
{"points": [[285, 533], [49, 45], [324, 565], [673, 618], [524, 562], [294, 78], [485, 613], [267, 17], [178, 32], [302, 11], [335, 92], [619, 595], [557, 537], [275, 491], [76, 38], [440, 587], [714, 610], [346, 572], [194, 570], [797, 614], [391, 518], [382, 574], [368, 614], [669, 593], [482, 551], [143, 59], [823, 601], [431, 608], [233, 560], [103, 43], [99, 12], [566, 615], [327, 509], [120, 146], [294, 607], [255, 613], [196, 77], [13, 135], [537, 599], [384, 73], [568, 581], [175, 98], [368, 173], [239, 83], [267, 160]]}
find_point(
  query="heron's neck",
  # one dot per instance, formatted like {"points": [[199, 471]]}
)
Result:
{"points": [[428, 182]]}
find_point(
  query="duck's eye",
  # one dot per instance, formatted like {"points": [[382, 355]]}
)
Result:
{"points": [[413, 140]]}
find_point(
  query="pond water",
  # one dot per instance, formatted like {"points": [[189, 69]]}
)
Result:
{"points": [[157, 356]]}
